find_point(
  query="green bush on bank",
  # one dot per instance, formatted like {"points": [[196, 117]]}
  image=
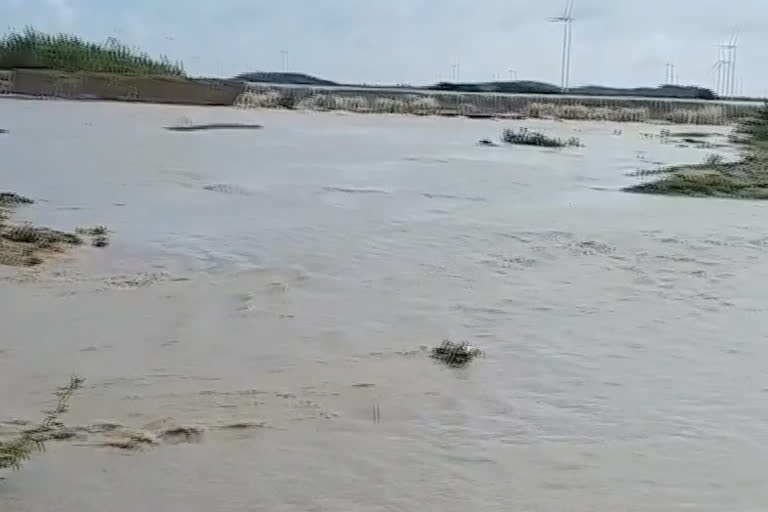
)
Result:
{"points": [[65, 52]]}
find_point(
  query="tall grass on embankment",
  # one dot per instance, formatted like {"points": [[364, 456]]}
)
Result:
{"points": [[744, 179], [65, 52]]}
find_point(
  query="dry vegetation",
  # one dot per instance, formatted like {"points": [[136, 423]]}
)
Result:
{"points": [[99, 235], [744, 179], [25, 245], [433, 103], [456, 354], [523, 136], [586, 113], [288, 99], [707, 115]]}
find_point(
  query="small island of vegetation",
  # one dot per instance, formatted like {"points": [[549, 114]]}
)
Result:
{"points": [[744, 179]]}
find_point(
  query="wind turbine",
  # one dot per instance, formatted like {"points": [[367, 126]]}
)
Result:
{"points": [[284, 55], [670, 78], [734, 44], [721, 69], [729, 49], [566, 19]]}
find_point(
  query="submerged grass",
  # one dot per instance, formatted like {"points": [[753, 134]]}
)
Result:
{"points": [[744, 179], [15, 452], [25, 245], [99, 235], [526, 137], [455, 354]]}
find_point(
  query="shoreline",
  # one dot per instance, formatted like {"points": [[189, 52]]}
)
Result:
{"points": [[745, 178], [84, 86]]}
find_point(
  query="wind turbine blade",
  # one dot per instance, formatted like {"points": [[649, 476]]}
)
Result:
{"points": [[735, 38], [570, 8]]}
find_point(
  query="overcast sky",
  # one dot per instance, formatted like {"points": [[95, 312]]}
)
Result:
{"points": [[615, 42]]}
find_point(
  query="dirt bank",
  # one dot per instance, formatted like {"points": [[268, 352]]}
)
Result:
{"points": [[107, 86]]}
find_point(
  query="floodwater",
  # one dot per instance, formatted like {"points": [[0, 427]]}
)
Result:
{"points": [[275, 286]]}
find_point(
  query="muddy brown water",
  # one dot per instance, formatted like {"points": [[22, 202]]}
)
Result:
{"points": [[274, 287]]}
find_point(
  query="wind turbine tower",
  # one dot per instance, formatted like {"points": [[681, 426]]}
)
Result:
{"points": [[565, 66], [729, 61], [284, 55], [671, 78], [721, 70]]}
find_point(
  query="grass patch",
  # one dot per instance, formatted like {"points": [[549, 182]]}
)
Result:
{"points": [[33, 49], [25, 245], [41, 237], [18, 450], [12, 199], [586, 113], [526, 137], [710, 184], [99, 235], [455, 354], [744, 179], [94, 231]]}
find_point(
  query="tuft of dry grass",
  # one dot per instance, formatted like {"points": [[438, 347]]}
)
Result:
{"points": [[99, 235], [709, 115], [586, 113], [455, 354], [92, 231], [252, 99]]}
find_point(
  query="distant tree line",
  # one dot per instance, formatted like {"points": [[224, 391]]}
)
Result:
{"points": [[515, 87], [530, 87], [283, 78]]}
